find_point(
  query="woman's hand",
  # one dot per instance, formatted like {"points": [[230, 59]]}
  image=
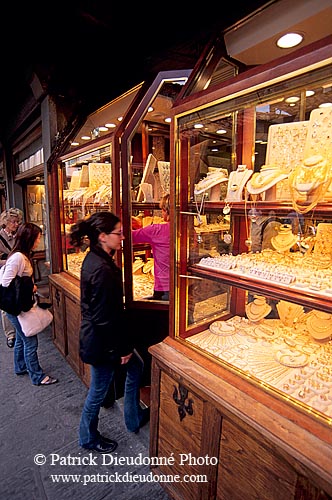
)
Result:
{"points": [[125, 359], [34, 290]]}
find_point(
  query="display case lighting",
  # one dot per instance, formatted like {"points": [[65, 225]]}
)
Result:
{"points": [[292, 100], [289, 40], [325, 105]]}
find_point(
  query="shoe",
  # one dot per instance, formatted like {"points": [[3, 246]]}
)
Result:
{"points": [[103, 446], [44, 305], [48, 380], [107, 440], [11, 342]]}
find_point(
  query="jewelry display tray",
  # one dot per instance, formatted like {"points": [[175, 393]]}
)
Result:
{"points": [[286, 280], [284, 358]]}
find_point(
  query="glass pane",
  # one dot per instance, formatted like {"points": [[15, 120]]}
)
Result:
{"points": [[87, 188]]}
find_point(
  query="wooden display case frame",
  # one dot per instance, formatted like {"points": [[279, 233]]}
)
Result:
{"points": [[267, 446]]}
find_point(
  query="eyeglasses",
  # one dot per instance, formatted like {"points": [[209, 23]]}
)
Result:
{"points": [[118, 233]]}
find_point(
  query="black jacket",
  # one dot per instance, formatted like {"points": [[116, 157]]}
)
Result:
{"points": [[104, 335]]}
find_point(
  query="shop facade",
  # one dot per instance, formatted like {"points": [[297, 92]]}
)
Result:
{"points": [[244, 376]]}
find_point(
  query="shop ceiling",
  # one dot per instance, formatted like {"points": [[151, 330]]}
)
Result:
{"points": [[86, 52]]}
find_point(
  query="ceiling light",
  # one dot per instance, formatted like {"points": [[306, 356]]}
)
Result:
{"points": [[85, 137], [110, 125], [150, 108], [120, 118], [325, 105], [103, 129], [289, 40], [292, 104], [74, 143], [168, 120], [309, 93], [221, 131], [292, 99], [198, 125]]}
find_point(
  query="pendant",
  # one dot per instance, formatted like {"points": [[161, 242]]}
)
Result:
{"points": [[226, 210], [227, 238]]}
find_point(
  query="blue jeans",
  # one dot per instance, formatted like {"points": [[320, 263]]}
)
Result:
{"points": [[25, 353], [101, 378]]}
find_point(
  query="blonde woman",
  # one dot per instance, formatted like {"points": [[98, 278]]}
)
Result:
{"points": [[9, 222]]}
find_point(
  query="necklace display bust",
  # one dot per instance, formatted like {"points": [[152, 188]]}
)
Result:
{"points": [[262, 181], [285, 239], [237, 180]]}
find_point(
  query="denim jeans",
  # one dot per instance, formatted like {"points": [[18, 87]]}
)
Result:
{"points": [[101, 378], [25, 353]]}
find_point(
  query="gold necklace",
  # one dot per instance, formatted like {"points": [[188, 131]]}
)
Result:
{"points": [[310, 174], [285, 239], [318, 195], [267, 177]]}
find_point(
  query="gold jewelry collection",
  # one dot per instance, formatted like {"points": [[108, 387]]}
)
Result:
{"points": [[284, 352], [292, 269]]}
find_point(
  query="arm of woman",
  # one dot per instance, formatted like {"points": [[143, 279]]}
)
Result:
{"points": [[15, 265]]}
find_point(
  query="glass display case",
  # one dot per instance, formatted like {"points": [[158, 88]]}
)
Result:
{"points": [[253, 229], [104, 167], [91, 179]]}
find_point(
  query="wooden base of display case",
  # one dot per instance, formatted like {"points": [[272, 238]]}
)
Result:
{"points": [[228, 439], [65, 296]]}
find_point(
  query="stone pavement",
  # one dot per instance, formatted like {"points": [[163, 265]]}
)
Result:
{"points": [[40, 424]]}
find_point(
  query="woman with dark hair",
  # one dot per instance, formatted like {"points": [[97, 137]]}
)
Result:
{"points": [[105, 341], [18, 263]]}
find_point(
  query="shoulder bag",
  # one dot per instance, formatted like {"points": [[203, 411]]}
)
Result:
{"points": [[35, 320], [18, 296]]}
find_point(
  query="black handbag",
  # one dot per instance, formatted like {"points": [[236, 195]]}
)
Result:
{"points": [[18, 296]]}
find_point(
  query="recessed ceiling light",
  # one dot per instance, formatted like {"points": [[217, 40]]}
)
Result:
{"points": [[292, 99], [168, 120], [110, 125], [325, 105], [74, 143], [103, 129], [150, 108], [289, 40], [309, 93], [120, 118], [221, 131], [85, 137], [198, 125]]}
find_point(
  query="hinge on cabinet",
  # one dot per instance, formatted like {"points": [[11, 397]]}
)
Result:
{"points": [[183, 408]]}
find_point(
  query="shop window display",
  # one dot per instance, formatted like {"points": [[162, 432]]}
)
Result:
{"points": [[255, 278]]}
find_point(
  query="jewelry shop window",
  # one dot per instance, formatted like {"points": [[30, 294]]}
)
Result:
{"points": [[86, 188]]}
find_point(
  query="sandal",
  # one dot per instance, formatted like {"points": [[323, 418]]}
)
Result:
{"points": [[48, 380]]}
